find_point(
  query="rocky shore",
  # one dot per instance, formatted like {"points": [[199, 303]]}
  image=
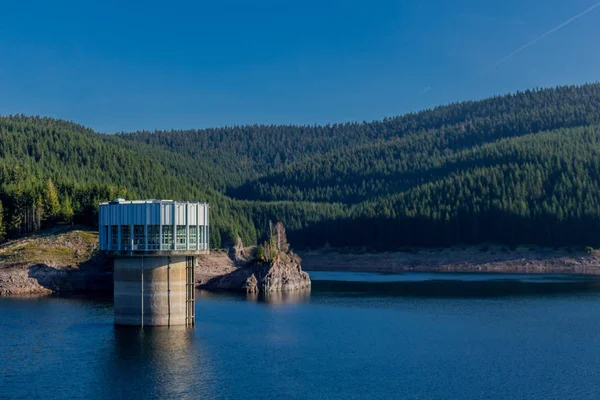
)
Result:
{"points": [[283, 274], [67, 260], [61, 260], [486, 259], [270, 268]]}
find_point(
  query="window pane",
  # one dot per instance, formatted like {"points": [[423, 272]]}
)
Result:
{"points": [[125, 234], [138, 234], [193, 230], [181, 237], [167, 231], [114, 235], [153, 232]]}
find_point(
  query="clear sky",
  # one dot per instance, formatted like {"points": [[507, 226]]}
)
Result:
{"points": [[128, 65]]}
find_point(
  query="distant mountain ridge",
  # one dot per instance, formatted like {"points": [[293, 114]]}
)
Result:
{"points": [[520, 168]]}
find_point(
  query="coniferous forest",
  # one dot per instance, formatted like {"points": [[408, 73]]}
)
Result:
{"points": [[518, 169]]}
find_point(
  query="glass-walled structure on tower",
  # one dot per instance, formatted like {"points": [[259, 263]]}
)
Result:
{"points": [[153, 226]]}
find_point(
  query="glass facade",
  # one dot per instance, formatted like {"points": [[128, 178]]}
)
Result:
{"points": [[171, 240], [153, 237], [114, 235], [125, 235], [181, 237], [139, 237], [153, 225], [167, 237], [202, 237], [193, 232]]}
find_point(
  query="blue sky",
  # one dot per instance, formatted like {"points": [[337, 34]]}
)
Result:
{"points": [[128, 65]]}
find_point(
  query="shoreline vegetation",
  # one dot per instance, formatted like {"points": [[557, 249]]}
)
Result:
{"points": [[66, 259]]}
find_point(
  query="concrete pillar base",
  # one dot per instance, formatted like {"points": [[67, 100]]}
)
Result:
{"points": [[150, 291]]}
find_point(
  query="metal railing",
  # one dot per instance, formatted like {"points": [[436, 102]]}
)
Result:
{"points": [[156, 247]]}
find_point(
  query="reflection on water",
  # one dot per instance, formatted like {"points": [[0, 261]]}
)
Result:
{"points": [[437, 276], [158, 362], [278, 298], [274, 298], [442, 285], [377, 336]]}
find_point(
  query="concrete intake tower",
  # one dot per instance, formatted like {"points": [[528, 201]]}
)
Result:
{"points": [[154, 244]]}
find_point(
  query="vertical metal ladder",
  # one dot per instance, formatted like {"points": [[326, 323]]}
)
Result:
{"points": [[190, 292]]}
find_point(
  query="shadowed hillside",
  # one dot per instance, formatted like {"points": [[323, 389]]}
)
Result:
{"points": [[521, 168]]}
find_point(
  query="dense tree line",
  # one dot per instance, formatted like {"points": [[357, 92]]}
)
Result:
{"points": [[352, 174], [521, 168], [259, 150]]}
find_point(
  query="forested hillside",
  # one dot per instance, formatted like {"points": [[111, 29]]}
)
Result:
{"points": [[516, 169]]}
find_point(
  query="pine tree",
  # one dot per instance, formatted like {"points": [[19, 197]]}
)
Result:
{"points": [[38, 211], [67, 212], [51, 205], [2, 226]]}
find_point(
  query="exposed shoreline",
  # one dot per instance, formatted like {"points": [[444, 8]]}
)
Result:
{"points": [[64, 259], [492, 259], [68, 261]]}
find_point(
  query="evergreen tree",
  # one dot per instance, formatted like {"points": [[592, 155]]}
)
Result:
{"points": [[67, 212], [51, 205], [2, 226]]}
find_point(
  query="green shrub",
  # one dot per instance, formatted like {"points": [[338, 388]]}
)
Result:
{"points": [[589, 250]]}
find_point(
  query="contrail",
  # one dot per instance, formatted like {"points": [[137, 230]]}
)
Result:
{"points": [[550, 32]]}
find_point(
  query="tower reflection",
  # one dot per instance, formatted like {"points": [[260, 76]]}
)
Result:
{"points": [[278, 298], [158, 362], [273, 298]]}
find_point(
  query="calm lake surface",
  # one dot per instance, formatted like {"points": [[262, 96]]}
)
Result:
{"points": [[356, 335]]}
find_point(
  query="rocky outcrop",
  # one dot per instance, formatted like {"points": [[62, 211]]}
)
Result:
{"points": [[283, 274], [251, 284], [270, 268]]}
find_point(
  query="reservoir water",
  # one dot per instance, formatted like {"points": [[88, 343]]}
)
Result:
{"points": [[355, 336]]}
